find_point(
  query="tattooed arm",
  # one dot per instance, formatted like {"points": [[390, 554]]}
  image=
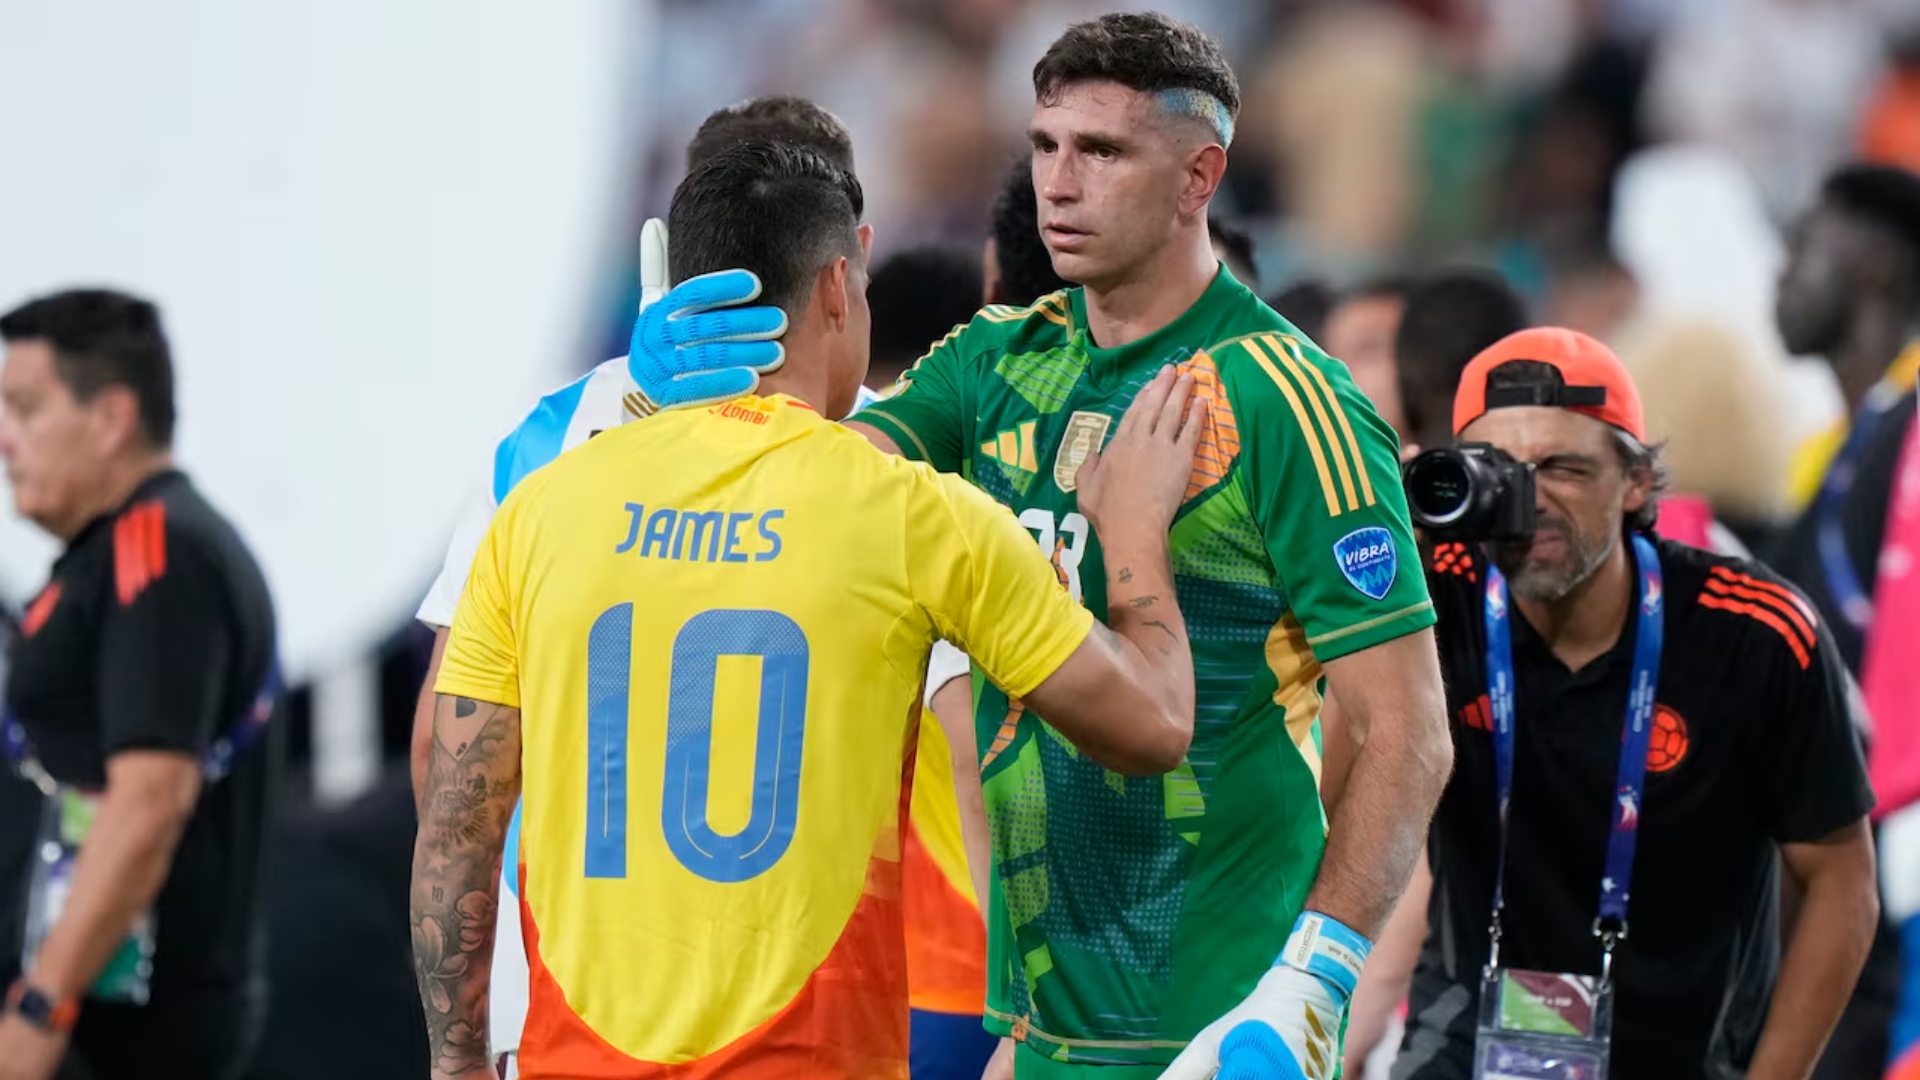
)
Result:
{"points": [[473, 778], [1126, 695]]}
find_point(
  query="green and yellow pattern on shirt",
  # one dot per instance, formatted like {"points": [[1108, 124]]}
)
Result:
{"points": [[1127, 912]]}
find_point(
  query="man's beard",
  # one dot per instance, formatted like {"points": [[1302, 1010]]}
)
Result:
{"points": [[1548, 583]]}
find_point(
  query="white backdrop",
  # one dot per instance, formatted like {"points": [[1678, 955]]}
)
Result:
{"points": [[372, 227]]}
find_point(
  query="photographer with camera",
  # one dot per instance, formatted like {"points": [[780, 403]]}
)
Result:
{"points": [[1639, 727]]}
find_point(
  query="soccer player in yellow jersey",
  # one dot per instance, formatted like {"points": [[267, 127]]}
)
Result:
{"points": [[703, 680]]}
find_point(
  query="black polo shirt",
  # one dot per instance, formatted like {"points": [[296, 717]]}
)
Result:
{"points": [[155, 632], [1754, 746], [1863, 521]]}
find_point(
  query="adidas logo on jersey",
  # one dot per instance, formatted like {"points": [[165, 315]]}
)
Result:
{"points": [[1013, 449]]}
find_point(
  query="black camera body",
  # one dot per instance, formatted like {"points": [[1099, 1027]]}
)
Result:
{"points": [[1470, 492]]}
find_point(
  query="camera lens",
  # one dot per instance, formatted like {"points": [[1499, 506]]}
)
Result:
{"points": [[1439, 488]]}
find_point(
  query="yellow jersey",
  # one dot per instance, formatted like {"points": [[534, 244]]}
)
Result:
{"points": [[715, 626]]}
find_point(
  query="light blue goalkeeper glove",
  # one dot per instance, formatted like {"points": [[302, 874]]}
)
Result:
{"points": [[695, 345], [1289, 1027]]}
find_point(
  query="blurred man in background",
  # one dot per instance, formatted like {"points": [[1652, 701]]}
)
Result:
{"points": [[1850, 292], [1019, 267], [1450, 316], [138, 701], [670, 963], [917, 296], [1360, 329], [1122, 920]]}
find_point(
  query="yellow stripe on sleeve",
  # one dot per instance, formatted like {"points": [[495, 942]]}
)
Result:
{"points": [[1340, 414], [1320, 414], [1252, 346]]}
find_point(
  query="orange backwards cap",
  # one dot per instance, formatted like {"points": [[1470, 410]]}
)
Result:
{"points": [[1593, 381]]}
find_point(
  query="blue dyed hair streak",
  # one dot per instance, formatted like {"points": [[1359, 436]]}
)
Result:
{"points": [[1201, 106]]}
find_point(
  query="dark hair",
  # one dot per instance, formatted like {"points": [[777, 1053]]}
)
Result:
{"points": [[102, 338], [773, 118], [1385, 287], [1884, 196], [917, 296], [1239, 250], [1449, 318], [1025, 265], [779, 210], [1148, 52], [1634, 455], [1306, 304]]}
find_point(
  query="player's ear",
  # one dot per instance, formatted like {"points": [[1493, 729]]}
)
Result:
{"points": [[1206, 167], [115, 412], [866, 239], [830, 292]]}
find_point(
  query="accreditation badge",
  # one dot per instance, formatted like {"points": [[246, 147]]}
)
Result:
{"points": [[1538, 1025], [66, 818]]}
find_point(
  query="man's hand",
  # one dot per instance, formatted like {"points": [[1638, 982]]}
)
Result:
{"points": [[1138, 482], [1289, 1027], [697, 346], [26, 1052], [653, 262]]}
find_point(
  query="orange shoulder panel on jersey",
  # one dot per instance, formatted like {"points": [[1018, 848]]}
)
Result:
{"points": [[1775, 606], [1220, 431], [139, 549]]}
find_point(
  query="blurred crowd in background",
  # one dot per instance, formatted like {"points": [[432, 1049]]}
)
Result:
{"points": [[1630, 167]]}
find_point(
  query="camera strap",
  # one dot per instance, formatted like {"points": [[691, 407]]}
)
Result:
{"points": [[1611, 924]]}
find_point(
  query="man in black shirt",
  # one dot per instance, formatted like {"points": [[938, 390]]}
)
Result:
{"points": [[1751, 762], [139, 694], [1851, 293]]}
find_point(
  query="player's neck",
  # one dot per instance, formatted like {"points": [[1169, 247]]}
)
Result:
{"points": [[117, 484], [802, 377], [1875, 340], [1158, 293], [1583, 625]]}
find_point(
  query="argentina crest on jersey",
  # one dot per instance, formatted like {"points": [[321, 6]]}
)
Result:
{"points": [[1368, 559]]}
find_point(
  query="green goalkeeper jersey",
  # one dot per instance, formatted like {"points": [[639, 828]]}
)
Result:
{"points": [[1127, 913]]}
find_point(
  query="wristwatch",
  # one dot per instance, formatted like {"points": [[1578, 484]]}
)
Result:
{"points": [[41, 1010]]}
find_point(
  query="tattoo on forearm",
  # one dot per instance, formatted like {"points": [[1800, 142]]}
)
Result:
{"points": [[1142, 601], [472, 777], [1164, 628], [1124, 576]]}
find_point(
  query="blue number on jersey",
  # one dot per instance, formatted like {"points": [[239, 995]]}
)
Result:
{"points": [[780, 731]]}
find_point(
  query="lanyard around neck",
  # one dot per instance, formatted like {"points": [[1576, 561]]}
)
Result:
{"points": [[1650, 608], [236, 739]]}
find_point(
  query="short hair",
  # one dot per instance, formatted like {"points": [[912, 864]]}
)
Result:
{"points": [[773, 118], [1306, 304], [1151, 53], [1025, 265], [1449, 318], [1384, 287], [1884, 196], [1634, 455], [103, 338], [917, 296], [1239, 248], [779, 210]]}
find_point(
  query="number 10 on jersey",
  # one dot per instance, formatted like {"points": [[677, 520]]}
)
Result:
{"points": [[779, 734]]}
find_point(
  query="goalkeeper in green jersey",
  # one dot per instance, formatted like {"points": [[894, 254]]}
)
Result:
{"points": [[1136, 926]]}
